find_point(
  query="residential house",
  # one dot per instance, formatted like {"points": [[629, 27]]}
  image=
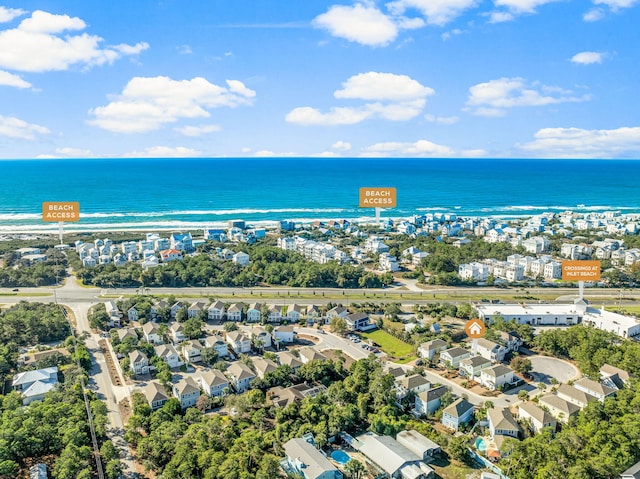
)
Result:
{"points": [[240, 376], [151, 333], [175, 307], [510, 340], [536, 416], [264, 366], [502, 425], [429, 349], [632, 473], [359, 322], [471, 367], [176, 332], [284, 334], [128, 333], [575, 396], [133, 314], [427, 402], [168, 353], [559, 408], [191, 351], [216, 311], [196, 309], [337, 311], [282, 397], [274, 314], [260, 338], [218, 344], [234, 313], [457, 413], [157, 307], [213, 382], [187, 391], [452, 357], [167, 255], [241, 258], [309, 354], [33, 385], [155, 394], [613, 377], [182, 241], [489, 350], [307, 461], [285, 357], [596, 389], [416, 383], [238, 342], [254, 312], [294, 313], [496, 377], [139, 362]]}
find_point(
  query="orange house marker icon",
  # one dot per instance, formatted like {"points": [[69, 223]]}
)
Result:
{"points": [[474, 328]]}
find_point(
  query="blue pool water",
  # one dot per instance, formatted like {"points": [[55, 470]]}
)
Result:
{"points": [[481, 445], [340, 456]]}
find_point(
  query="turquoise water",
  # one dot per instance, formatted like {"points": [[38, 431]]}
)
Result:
{"points": [[192, 193], [340, 456], [481, 445]]}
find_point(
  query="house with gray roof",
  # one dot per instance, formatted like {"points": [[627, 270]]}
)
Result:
{"points": [[559, 408], [632, 473], [429, 349], [536, 416], [471, 367], [33, 385], [187, 391], [457, 413], [240, 376], [575, 396], [452, 357], [304, 459], [213, 382], [613, 377], [489, 350], [428, 402], [596, 389], [496, 377], [502, 425], [155, 394], [416, 383]]}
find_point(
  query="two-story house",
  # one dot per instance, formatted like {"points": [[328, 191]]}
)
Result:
{"points": [[457, 413], [240, 376], [187, 391], [213, 382], [139, 362], [238, 342]]}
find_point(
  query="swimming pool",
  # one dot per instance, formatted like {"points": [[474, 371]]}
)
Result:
{"points": [[481, 444], [340, 456]]}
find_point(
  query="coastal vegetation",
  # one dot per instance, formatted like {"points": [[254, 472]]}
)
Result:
{"points": [[16, 273]]}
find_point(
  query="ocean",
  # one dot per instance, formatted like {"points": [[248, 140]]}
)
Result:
{"points": [[182, 194]]}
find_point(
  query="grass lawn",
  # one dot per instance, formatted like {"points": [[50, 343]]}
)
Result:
{"points": [[399, 351], [446, 469], [628, 309]]}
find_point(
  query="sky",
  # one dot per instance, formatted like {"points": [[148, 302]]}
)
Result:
{"points": [[311, 78]]}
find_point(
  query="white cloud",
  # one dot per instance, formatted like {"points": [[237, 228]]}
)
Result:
{"points": [[69, 152], [420, 148], [441, 120], [42, 43], [9, 79], [396, 98], [341, 146], [580, 143], [8, 14], [448, 35], [164, 152], [361, 23], [437, 12], [382, 86], [269, 153], [586, 58], [15, 128], [500, 17], [593, 15], [185, 50], [521, 6], [307, 115], [147, 103], [494, 97], [616, 4], [191, 130], [477, 153]]}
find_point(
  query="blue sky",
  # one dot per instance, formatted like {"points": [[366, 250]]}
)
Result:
{"points": [[398, 78]]}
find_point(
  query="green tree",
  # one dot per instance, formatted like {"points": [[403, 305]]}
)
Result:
{"points": [[354, 469], [520, 364], [338, 325]]}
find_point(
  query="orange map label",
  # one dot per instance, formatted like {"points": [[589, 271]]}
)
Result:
{"points": [[577, 270], [55, 211], [378, 198]]}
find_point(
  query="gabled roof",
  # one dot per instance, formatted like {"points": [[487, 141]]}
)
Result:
{"points": [[414, 381], [388, 453], [458, 408], [475, 361], [165, 350], [432, 394], [536, 412], [28, 377], [595, 386], [314, 463], [564, 406], [213, 377], [219, 305], [456, 352], [150, 328], [433, 344], [240, 371], [289, 359], [501, 418], [575, 394], [186, 386], [264, 366], [137, 356], [154, 392], [312, 355]]}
